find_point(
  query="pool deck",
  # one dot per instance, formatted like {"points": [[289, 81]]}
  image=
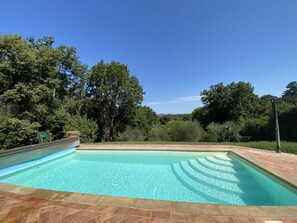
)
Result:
{"points": [[24, 204]]}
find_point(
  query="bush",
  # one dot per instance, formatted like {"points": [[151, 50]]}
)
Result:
{"points": [[214, 131], [56, 123], [132, 134], [184, 131], [226, 132], [160, 133], [87, 127], [288, 125], [15, 132], [256, 128]]}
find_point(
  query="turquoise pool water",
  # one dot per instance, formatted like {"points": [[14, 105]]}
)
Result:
{"points": [[177, 176]]}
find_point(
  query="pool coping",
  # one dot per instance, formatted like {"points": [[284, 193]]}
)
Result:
{"points": [[161, 205]]}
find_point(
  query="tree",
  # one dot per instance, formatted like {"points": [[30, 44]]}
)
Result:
{"points": [[227, 103], [115, 95], [35, 76], [145, 118], [290, 94], [17, 62], [36, 79]]}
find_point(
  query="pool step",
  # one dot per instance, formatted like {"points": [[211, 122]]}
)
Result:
{"points": [[214, 160], [226, 186], [218, 181], [217, 174], [211, 194], [223, 157], [213, 173], [215, 166]]}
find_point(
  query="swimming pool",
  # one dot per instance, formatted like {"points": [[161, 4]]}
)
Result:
{"points": [[220, 178]]}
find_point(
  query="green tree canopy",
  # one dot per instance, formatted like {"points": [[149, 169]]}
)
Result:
{"points": [[226, 103], [35, 76], [145, 118], [290, 94], [115, 96]]}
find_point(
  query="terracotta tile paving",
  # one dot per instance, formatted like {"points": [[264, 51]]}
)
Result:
{"points": [[21, 204]]}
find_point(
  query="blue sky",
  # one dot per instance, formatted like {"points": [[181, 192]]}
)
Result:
{"points": [[175, 48]]}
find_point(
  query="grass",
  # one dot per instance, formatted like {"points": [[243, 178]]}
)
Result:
{"points": [[286, 147]]}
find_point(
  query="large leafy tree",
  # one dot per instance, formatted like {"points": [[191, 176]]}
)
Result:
{"points": [[226, 103], [115, 95], [36, 78], [290, 94], [17, 62]]}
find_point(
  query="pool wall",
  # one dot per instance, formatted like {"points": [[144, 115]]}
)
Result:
{"points": [[283, 195], [12, 156]]}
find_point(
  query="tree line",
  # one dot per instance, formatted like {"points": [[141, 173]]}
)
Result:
{"points": [[231, 113], [46, 88]]}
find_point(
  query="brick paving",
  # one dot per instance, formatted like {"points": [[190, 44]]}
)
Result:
{"points": [[27, 209], [20, 204]]}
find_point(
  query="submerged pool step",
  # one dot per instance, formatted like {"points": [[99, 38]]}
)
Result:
{"points": [[212, 194], [226, 163], [226, 186], [216, 166], [223, 157], [213, 173]]}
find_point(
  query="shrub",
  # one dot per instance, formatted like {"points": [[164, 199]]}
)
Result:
{"points": [[184, 131], [160, 133], [15, 132], [257, 128], [226, 132], [87, 127], [132, 134], [214, 131], [57, 122]]}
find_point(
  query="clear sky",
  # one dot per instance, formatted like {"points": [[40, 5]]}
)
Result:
{"points": [[175, 48]]}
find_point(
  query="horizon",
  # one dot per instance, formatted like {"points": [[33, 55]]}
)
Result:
{"points": [[176, 49]]}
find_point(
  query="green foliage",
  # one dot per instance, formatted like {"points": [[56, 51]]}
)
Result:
{"points": [[87, 127], [160, 133], [144, 120], [226, 103], [257, 128], [288, 124], [56, 122], [17, 62], [164, 119], [44, 83], [36, 78], [45, 87], [214, 131], [290, 94], [184, 131], [115, 96], [132, 134], [15, 132], [286, 147], [226, 132], [177, 130]]}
